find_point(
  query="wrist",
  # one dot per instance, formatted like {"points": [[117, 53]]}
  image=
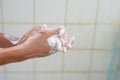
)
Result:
{"points": [[24, 51], [27, 52], [12, 54]]}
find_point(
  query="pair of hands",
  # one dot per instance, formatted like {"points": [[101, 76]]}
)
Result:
{"points": [[36, 45]]}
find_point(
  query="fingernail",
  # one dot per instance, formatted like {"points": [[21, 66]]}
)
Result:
{"points": [[61, 33], [43, 28]]}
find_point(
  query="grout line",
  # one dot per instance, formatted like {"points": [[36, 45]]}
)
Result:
{"points": [[65, 20], [2, 25], [34, 22], [46, 23], [2, 18], [104, 71], [1, 15], [93, 42], [33, 72], [34, 11], [86, 49], [1, 11], [65, 15]]}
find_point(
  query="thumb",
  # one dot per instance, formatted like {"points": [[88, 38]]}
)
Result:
{"points": [[53, 31]]}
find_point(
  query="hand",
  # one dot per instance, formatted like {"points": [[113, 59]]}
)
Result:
{"points": [[34, 43], [29, 33], [37, 44], [6, 40]]}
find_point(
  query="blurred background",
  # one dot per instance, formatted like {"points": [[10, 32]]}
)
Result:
{"points": [[94, 23]]}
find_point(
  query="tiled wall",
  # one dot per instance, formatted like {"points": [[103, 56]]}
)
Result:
{"points": [[92, 22]]}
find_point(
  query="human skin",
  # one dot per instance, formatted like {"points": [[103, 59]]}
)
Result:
{"points": [[28, 47], [4, 43]]}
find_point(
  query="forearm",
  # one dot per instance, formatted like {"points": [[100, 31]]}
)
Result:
{"points": [[12, 54]]}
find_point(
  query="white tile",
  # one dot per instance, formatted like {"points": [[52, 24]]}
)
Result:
{"points": [[77, 61], [2, 76], [50, 11], [48, 76], [75, 76], [0, 28], [0, 14], [104, 36], [16, 29], [98, 76], [83, 35], [18, 10], [116, 29], [19, 76], [50, 63], [109, 11], [20, 66], [2, 69], [81, 11], [101, 60]]}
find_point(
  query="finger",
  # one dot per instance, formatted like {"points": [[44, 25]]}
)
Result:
{"points": [[44, 28], [53, 31], [61, 33], [65, 35], [11, 38], [40, 29], [25, 36], [63, 49], [69, 42]]}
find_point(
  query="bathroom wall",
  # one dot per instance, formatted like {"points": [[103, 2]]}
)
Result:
{"points": [[92, 22]]}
